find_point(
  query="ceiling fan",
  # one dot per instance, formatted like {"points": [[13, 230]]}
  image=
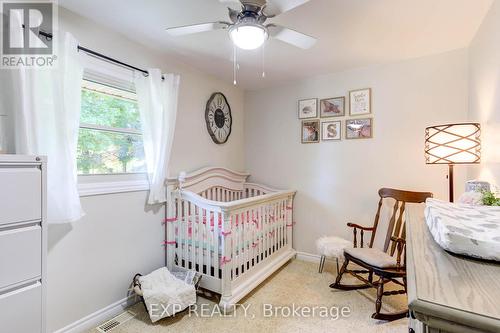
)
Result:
{"points": [[247, 28]]}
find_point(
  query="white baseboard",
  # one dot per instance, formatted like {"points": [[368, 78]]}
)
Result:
{"points": [[305, 256], [94, 319]]}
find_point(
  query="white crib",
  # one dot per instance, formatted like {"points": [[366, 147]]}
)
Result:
{"points": [[234, 233]]}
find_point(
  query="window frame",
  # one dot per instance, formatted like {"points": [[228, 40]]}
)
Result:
{"points": [[110, 183]]}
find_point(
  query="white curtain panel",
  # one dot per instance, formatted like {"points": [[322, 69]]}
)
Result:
{"points": [[157, 100], [47, 115]]}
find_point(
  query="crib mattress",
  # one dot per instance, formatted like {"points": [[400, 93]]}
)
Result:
{"points": [[465, 229], [188, 243]]}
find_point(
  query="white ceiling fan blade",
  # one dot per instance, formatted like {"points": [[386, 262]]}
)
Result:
{"points": [[195, 28], [276, 7], [258, 3], [235, 4], [291, 36]]}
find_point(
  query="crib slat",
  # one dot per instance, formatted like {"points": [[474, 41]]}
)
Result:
{"points": [[246, 233], [253, 237], [234, 245], [256, 236], [216, 241], [174, 235], [238, 247], [283, 223], [289, 221], [271, 226], [237, 242], [180, 232], [204, 262], [199, 238], [266, 230], [194, 238], [227, 269], [210, 241], [186, 233], [276, 226], [280, 226], [190, 236], [182, 235], [262, 233]]}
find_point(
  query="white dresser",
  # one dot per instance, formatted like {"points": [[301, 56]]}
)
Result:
{"points": [[23, 239]]}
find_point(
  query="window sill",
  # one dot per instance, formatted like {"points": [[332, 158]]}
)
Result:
{"points": [[107, 186]]}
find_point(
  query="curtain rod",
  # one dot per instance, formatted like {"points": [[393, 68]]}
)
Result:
{"points": [[49, 36]]}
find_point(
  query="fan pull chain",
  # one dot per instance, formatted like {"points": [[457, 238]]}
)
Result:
{"points": [[234, 64], [264, 60]]}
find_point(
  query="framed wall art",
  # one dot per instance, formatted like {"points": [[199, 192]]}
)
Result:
{"points": [[360, 102], [331, 130], [310, 131], [332, 107], [308, 108], [359, 128]]}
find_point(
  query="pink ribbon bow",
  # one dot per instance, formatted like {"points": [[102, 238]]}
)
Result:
{"points": [[169, 220], [224, 261]]}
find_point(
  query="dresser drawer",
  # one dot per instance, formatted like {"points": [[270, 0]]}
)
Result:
{"points": [[20, 254], [21, 310], [20, 194]]}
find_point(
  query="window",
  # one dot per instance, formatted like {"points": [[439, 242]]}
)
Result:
{"points": [[110, 139]]}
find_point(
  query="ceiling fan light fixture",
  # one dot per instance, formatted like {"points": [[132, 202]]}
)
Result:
{"points": [[248, 36]]}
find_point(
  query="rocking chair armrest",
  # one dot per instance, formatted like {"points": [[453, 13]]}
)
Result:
{"points": [[398, 240], [400, 244], [357, 226], [363, 229]]}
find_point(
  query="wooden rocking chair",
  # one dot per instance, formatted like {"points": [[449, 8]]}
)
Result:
{"points": [[386, 265]]}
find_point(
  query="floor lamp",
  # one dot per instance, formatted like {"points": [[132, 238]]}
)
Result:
{"points": [[453, 144]]}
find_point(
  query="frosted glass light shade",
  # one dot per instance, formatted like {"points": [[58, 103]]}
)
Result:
{"points": [[248, 37], [453, 144]]}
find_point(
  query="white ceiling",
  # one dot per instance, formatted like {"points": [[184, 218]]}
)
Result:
{"points": [[351, 33]]}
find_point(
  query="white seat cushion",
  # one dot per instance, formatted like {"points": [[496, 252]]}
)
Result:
{"points": [[371, 256], [332, 246]]}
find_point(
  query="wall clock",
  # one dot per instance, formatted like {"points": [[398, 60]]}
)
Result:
{"points": [[218, 118]]}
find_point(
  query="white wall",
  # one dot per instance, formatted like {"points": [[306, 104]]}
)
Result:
{"points": [[337, 182], [91, 262], [484, 93]]}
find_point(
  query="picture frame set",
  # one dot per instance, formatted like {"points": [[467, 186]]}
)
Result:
{"points": [[322, 118]]}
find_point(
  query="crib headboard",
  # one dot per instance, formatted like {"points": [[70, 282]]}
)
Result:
{"points": [[204, 179]]}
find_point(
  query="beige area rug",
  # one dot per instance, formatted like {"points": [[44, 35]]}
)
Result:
{"points": [[296, 283]]}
